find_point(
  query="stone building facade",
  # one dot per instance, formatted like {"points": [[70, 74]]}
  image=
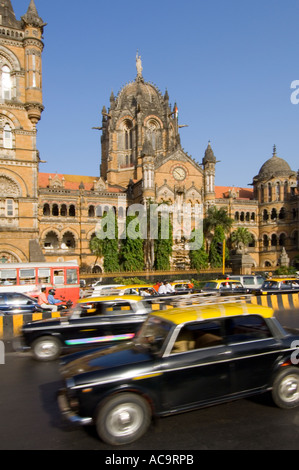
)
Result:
{"points": [[53, 216]]}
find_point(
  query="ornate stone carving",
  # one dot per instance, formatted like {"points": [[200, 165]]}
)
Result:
{"points": [[8, 188]]}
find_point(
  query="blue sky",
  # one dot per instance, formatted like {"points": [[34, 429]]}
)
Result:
{"points": [[228, 65]]}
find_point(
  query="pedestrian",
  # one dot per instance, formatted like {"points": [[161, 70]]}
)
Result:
{"points": [[156, 286], [169, 288], [43, 301], [162, 289]]}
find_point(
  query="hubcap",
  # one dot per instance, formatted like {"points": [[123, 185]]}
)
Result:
{"points": [[124, 419], [46, 349], [289, 389]]}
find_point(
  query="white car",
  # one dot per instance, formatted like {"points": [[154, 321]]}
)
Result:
{"points": [[98, 289]]}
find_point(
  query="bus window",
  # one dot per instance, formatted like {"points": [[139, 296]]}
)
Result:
{"points": [[58, 277], [8, 277], [27, 276], [44, 276], [71, 276]]}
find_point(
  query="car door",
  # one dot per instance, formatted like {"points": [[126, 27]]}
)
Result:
{"points": [[3, 305], [19, 304], [107, 324], [254, 350], [196, 369]]}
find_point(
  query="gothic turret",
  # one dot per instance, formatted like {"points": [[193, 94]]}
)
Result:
{"points": [[33, 26], [209, 162]]}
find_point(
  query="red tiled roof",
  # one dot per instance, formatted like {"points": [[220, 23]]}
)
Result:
{"points": [[72, 181], [242, 193]]}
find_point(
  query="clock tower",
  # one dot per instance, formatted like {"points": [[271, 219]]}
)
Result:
{"points": [[21, 107]]}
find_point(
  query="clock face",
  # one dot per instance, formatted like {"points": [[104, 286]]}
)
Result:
{"points": [[179, 173]]}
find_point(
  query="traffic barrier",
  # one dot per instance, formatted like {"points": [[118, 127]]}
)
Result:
{"points": [[10, 325], [277, 301]]}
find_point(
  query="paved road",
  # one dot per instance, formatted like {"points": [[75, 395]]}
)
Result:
{"points": [[30, 418]]}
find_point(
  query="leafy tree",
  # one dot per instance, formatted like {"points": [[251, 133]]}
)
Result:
{"points": [[163, 247], [216, 259], [131, 252], [96, 247], [199, 259], [107, 241]]}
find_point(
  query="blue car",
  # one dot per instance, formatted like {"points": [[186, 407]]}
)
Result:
{"points": [[17, 303]]}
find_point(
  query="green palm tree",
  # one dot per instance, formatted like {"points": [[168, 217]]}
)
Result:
{"points": [[241, 235], [216, 218]]}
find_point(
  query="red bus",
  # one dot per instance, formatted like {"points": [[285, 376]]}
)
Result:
{"points": [[30, 277]]}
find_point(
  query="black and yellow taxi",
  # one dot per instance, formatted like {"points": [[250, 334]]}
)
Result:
{"points": [[93, 322], [181, 359], [224, 287], [287, 285]]}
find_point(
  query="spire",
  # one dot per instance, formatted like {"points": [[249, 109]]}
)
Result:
{"points": [[8, 15], [32, 17], [209, 155], [274, 151]]}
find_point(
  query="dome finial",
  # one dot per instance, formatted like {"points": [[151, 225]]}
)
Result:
{"points": [[138, 65], [274, 151]]}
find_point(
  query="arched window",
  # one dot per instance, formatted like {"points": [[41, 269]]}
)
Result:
{"points": [[91, 212], [68, 240], [274, 240], [6, 83], [295, 238], [282, 239], [51, 240], [7, 137], [153, 133], [265, 240], [282, 213], [72, 210], [278, 191], [269, 192], [63, 210], [265, 215], [273, 214], [99, 211], [46, 209], [55, 210]]}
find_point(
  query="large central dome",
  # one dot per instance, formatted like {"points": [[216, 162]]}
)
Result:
{"points": [[145, 91], [275, 166]]}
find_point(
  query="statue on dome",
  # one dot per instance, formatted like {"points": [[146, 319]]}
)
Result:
{"points": [[138, 65]]}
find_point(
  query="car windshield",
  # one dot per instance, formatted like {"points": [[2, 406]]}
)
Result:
{"points": [[210, 285], [270, 285], [116, 307], [153, 334]]}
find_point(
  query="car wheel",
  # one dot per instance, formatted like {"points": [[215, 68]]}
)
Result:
{"points": [[285, 391], [123, 418], [46, 348]]}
